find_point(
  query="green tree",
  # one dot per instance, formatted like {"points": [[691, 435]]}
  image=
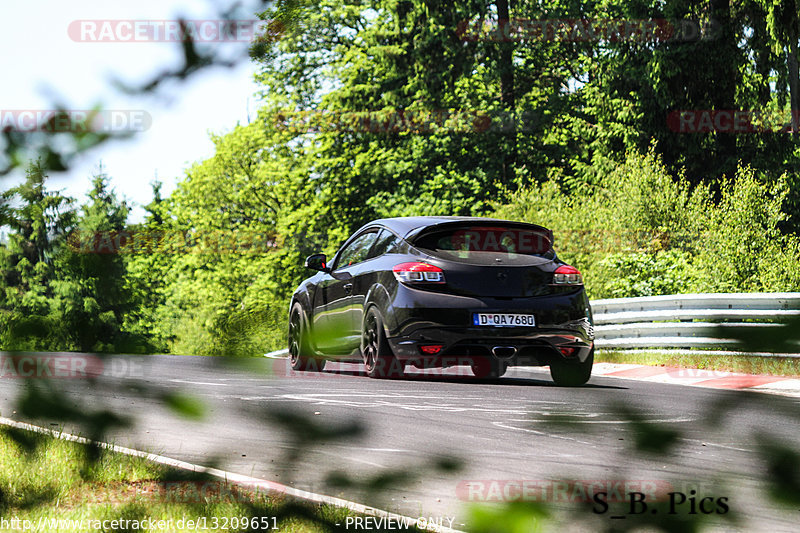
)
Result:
{"points": [[39, 221], [91, 294], [230, 246], [146, 269]]}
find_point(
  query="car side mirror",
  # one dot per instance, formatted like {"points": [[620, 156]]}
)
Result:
{"points": [[317, 262]]}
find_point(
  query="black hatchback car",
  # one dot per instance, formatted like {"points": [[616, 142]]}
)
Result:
{"points": [[444, 291]]}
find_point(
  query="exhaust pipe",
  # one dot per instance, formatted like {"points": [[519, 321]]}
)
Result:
{"points": [[504, 352]]}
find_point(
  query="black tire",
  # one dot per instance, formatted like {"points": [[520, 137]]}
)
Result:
{"points": [[572, 373], [379, 361], [488, 368], [300, 353]]}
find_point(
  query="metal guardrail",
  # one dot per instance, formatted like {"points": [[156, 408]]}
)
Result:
{"points": [[688, 320]]}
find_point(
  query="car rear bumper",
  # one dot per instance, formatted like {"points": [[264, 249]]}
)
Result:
{"points": [[536, 349], [563, 329]]}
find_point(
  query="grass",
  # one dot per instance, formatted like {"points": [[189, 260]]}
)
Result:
{"points": [[749, 364], [43, 478]]}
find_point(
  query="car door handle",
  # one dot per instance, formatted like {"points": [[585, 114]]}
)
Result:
{"points": [[348, 288]]}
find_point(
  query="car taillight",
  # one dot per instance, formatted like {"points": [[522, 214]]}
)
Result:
{"points": [[418, 273], [431, 349], [567, 275]]}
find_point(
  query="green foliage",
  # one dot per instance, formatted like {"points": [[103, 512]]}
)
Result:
{"points": [[739, 250], [640, 208], [91, 295], [405, 115], [635, 224], [644, 233], [624, 275], [515, 517], [146, 279], [57, 297], [240, 218], [40, 221]]}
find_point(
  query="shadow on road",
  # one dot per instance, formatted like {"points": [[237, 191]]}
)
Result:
{"points": [[421, 376]]}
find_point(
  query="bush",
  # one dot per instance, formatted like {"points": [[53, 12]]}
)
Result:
{"points": [[642, 232], [624, 275], [743, 239]]}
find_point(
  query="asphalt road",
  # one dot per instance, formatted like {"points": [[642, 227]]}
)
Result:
{"points": [[521, 431]]}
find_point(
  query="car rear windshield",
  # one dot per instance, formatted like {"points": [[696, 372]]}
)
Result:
{"points": [[488, 242]]}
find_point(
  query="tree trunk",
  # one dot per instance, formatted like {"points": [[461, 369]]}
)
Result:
{"points": [[794, 83], [726, 76], [506, 65]]}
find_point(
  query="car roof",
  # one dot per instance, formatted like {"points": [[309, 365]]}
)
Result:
{"points": [[404, 226]]}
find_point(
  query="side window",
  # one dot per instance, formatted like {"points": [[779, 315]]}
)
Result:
{"points": [[356, 251], [385, 243]]}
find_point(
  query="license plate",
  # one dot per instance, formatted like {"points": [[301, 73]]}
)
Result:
{"points": [[503, 320]]}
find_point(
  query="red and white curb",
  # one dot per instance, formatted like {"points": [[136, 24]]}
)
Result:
{"points": [[715, 379]]}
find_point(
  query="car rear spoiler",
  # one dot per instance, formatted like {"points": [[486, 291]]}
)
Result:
{"points": [[417, 233]]}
